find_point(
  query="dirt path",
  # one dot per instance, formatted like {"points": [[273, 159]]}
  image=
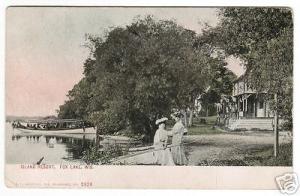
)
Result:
{"points": [[205, 149], [214, 149]]}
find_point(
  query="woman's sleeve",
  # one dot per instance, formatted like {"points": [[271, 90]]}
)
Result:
{"points": [[175, 129], [170, 133], [161, 136]]}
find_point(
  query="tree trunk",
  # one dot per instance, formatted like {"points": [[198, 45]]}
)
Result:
{"points": [[276, 134], [191, 118], [185, 118]]}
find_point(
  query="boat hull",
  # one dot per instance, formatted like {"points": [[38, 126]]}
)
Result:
{"points": [[89, 130]]}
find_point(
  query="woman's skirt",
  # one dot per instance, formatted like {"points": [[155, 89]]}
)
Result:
{"points": [[179, 155], [163, 156]]}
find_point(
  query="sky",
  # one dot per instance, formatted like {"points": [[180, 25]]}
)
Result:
{"points": [[45, 53]]}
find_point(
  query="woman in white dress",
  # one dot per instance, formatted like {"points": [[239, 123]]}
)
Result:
{"points": [[162, 153], [177, 147]]}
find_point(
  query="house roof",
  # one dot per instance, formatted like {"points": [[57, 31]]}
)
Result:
{"points": [[241, 77]]}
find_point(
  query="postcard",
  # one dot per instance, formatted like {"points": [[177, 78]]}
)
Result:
{"points": [[149, 97]]}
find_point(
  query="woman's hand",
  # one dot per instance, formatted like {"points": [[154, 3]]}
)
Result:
{"points": [[165, 145]]}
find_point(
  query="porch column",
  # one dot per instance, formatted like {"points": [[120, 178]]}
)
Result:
{"points": [[243, 108], [254, 108], [238, 107], [244, 104], [265, 107]]}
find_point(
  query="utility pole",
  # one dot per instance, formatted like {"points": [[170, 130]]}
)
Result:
{"points": [[276, 134], [98, 138]]}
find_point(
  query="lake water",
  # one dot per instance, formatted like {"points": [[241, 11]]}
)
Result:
{"points": [[30, 148]]}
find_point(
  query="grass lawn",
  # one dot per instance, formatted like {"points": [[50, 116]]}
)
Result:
{"points": [[258, 157], [265, 156], [203, 129], [199, 128], [210, 120]]}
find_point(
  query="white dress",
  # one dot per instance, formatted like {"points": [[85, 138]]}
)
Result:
{"points": [[162, 156], [177, 147]]}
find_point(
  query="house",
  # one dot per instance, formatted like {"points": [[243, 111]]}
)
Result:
{"points": [[246, 108]]}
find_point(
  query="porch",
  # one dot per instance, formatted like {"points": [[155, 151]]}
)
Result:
{"points": [[250, 111], [252, 105], [250, 124]]}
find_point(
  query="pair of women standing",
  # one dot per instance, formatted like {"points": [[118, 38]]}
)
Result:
{"points": [[174, 153]]}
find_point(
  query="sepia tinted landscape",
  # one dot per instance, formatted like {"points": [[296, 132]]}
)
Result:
{"points": [[149, 86]]}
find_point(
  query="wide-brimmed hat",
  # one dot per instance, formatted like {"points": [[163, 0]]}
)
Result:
{"points": [[161, 120]]}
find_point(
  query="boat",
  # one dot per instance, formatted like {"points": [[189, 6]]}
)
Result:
{"points": [[89, 130], [54, 126]]}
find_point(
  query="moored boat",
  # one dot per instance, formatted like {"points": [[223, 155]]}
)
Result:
{"points": [[89, 130], [54, 126]]}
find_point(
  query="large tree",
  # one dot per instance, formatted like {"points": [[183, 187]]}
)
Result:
{"points": [[141, 72], [263, 39]]}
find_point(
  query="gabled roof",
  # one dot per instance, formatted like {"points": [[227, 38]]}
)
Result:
{"points": [[241, 77]]}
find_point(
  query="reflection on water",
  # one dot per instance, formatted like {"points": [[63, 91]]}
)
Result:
{"points": [[61, 148]]}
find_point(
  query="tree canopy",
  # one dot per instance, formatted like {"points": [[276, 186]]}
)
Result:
{"points": [[138, 73], [263, 39]]}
